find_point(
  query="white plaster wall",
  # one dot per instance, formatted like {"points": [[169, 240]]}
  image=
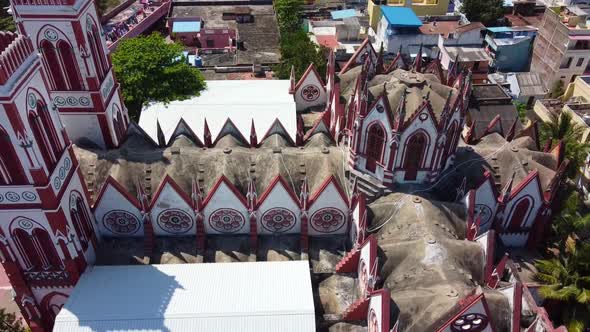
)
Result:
{"points": [[330, 197], [515, 239], [532, 190], [355, 224], [170, 199], [22, 156], [376, 305], [114, 200], [224, 197], [83, 126], [40, 292], [382, 118], [485, 198], [279, 197], [301, 102]]}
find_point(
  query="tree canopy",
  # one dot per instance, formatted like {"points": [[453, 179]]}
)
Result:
{"points": [[289, 15], [485, 11], [6, 20], [9, 322], [149, 69]]}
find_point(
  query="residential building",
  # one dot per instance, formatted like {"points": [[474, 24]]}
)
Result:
{"points": [[562, 46], [420, 7], [510, 47]]}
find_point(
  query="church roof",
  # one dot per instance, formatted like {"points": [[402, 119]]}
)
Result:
{"points": [[426, 263]]}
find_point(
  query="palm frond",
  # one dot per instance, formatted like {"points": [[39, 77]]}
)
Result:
{"points": [[584, 296]]}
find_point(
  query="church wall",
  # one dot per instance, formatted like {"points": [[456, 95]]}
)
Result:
{"points": [[116, 216], [82, 126], [14, 219], [514, 239], [530, 190], [376, 117], [278, 213], [486, 201], [22, 156], [355, 225], [377, 313], [171, 215], [46, 296], [310, 91], [225, 213], [328, 214], [366, 264]]}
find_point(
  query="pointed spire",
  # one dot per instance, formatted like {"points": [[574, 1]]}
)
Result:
{"points": [[207, 135], [253, 138], [470, 134], [418, 60], [379, 66], [300, 134], [196, 196], [141, 196], [498, 272], [292, 80], [252, 196], [304, 196], [548, 144], [473, 227], [400, 113], [160, 135], [507, 189], [512, 131]]}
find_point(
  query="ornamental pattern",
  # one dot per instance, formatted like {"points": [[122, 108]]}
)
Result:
{"points": [[474, 322], [15, 197], [327, 220], [485, 213], [226, 220], [71, 101], [278, 220], [120, 222], [175, 221], [310, 93], [373, 322], [62, 173]]}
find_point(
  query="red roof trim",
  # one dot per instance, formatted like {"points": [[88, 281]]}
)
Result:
{"points": [[325, 184], [466, 307], [117, 186], [310, 68], [175, 186], [241, 136], [530, 177], [224, 179], [277, 180], [314, 129], [277, 122], [191, 132], [352, 60]]}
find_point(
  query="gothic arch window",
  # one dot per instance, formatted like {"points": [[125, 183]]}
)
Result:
{"points": [[80, 219], [415, 153], [118, 122], [520, 212], [11, 171], [34, 245], [451, 134], [70, 65], [98, 53], [45, 133], [375, 145], [53, 302], [53, 64]]}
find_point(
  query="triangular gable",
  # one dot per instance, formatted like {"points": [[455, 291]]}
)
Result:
{"points": [[558, 151], [397, 63], [435, 69], [495, 126], [168, 181], [182, 128], [357, 57], [278, 128], [321, 125], [379, 313], [329, 182], [311, 76], [514, 295], [310, 91], [386, 108], [280, 184], [111, 182], [533, 176], [224, 181], [229, 128], [473, 311], [133, 129], [425, 107], [367, 265], [531, 131]]}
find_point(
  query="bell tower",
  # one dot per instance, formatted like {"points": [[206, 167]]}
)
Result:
{"points": [[77, 66]]}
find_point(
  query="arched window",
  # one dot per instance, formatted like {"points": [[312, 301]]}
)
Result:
{"points": [[27, 250], [47, 249], [81, 220], [98, 53], [11, 171], [35, 246], [519, 214], [53, 66], [415, 152], [56, 145], [375, 143], [118, 122], [70, 65], [42, 140]]}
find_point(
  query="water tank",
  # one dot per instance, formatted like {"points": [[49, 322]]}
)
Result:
{"points": [[198, 61]]}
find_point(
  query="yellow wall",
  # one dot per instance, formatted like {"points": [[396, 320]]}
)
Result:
{"points": [[420, 7]]}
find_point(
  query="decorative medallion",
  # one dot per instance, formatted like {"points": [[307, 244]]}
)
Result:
{"points": [[363, 276], [59, 101], [67, 164], [423, 116], [226, 220], [50, 34], [380, 108], [32, 100], [29, 196], [57, 183], [84, 101], [373, 322], [327, 220], [475, 322], [1, 198], [278, 220], [175, 221], [484, 212], [120, 222], [12, 196], [72, 101], [310, 93], [25, 224]]}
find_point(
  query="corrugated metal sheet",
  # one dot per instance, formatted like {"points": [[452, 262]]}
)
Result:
{"points": [[260, 296], [401, 17]]}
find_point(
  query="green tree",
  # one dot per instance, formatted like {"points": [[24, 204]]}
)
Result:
{"points": [[569, 220], [289, 15], [9, 322], [6, 20], [149, 69], [521, 108], [566, 276], [487, 12], [561, 127], [558, 89], [298, 51]]}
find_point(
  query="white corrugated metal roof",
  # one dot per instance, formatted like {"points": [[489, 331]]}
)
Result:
{"points": [[263, 101], [212, 297]]}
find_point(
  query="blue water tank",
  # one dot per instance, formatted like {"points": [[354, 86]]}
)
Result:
{"points": [[198, 61]]}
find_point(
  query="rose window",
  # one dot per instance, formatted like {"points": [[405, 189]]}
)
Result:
{"points": [[327, 220], [121, 222], [226, 220], [175, 221], [373, 322], [310, 93], [474, 322], [278, 220]]}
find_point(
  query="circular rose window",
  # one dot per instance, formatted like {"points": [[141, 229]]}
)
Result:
{"points": [[120, 222], [278, 220], [327, 220], [175, 221], [226, 220], [470, 322], [310, 93]]}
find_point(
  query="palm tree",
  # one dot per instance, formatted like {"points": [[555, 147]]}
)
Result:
{"points": [[570, 220], [567, 280], [561, 127]]}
